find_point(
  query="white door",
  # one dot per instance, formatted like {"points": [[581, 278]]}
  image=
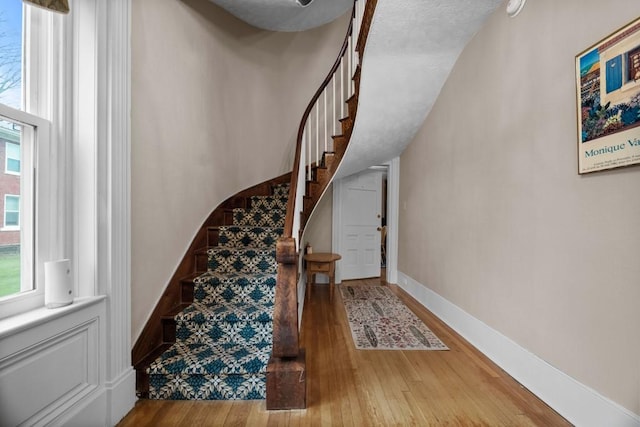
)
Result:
{"points": [[359, 233]]}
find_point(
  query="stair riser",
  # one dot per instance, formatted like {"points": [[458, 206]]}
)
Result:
{"points": [[347, 126], [251, 333], [243, 217], [186, 292], [213, 236], [281, 190], [242, 262], [339, 146], [207, 387], [202, 261], [258, 294], [254, 237], [168, 330], [314, 189], [322, 175], [268, 203], [352, 102]]}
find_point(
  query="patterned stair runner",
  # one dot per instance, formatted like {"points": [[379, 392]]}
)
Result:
{"points": [[224, 339]]}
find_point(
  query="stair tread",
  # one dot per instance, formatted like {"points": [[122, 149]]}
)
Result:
{"points": [[208, 275], [245, 227], [239, 249], [211, 359], [259, 217], [249, 236], [230, 312], [270, 197], [219, 288]]}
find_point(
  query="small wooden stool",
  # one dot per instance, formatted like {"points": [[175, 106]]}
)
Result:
{"points": [[321, 263]]}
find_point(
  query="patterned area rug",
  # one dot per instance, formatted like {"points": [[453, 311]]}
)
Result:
{"points": [[380, 321]]}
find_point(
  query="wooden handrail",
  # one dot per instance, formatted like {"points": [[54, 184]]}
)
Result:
{"points": [[288, 223]]}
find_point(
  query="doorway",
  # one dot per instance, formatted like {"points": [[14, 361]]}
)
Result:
{"points": [[363, 204]]}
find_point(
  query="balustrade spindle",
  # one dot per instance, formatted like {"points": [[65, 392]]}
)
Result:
{"points": [[333, 101], [324, 128], [342, 87], [317, 127], [350, 64]]}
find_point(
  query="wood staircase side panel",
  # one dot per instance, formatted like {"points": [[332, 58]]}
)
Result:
{"points": [[356, 79], [347, 126]]}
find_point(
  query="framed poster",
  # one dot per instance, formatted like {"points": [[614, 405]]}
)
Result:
{"points": [[608, 92]]}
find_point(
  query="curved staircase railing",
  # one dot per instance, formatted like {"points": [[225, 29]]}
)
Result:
{"points": [[319, 149]]}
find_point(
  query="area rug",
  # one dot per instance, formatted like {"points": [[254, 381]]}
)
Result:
{"points": [[380, 321]]}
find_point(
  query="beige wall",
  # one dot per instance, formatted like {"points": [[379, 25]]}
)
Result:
{"points": [[495, 218], [319, 228], [215, 109]]}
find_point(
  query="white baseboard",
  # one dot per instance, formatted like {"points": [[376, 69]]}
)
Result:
{"points": [[576, 402], [121, 395], [106, 406]]}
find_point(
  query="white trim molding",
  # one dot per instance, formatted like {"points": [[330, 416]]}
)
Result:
{"points": [[579, 404], [90, 96], [393, 203]]}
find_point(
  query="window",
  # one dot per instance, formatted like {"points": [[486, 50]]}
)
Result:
{"points": [[11, 211], [25, 143], [12, 158], [19, 256]]}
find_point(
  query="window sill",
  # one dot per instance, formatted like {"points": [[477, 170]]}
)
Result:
{"points": [[10, 228], [20, 322]]}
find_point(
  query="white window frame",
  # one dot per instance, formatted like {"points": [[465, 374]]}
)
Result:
{"points": [[86, 97], [34, 239], [6, 159], [40, 172]]}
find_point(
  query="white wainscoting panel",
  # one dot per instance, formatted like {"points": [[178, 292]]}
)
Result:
{"points": [[52, 369]]}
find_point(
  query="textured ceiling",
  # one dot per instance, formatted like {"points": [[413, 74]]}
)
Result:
{"points": [[286, 15], [411, 49]]}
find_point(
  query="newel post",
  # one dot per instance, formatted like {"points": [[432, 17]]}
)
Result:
{"points": [[286, 372]]}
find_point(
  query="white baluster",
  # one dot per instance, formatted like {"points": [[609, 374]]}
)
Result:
{"points": [[308, 157], [333, 101], [326, 117], [350, 64], [317, 127], [356, 15], [303, 151], [342, 87]]}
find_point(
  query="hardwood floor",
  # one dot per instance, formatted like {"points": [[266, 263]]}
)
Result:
{"points": [[459, 387]]}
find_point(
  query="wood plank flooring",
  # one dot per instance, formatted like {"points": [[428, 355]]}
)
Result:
{"points": [[349, 387]]}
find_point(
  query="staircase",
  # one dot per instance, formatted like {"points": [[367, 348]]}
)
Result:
{"points": [[227, 324], [223, 338]]}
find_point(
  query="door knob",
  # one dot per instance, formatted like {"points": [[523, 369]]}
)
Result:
{"points": [[379, 229]]}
